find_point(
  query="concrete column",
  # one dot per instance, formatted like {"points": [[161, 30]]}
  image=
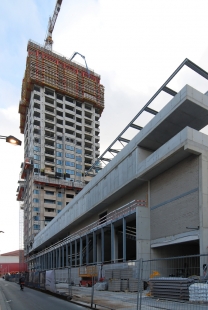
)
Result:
{"points": [[51, 259], [203, 208], [143, 229], [63, 256], [99, 257], [87, 249], [80, 252], [124, 239], [56, 265], [102, 245], [94, 247], [70, 254], [67, 258], [75, 252], [112, 243], [59, 257], [54, 257]]}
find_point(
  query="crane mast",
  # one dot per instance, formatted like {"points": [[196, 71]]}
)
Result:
{"points": [[51, 24]]}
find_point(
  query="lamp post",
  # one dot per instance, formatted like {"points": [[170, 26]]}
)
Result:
{"points": [[11, 139]]}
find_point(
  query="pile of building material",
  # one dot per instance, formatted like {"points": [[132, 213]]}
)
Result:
{"points": [[198, 292], [170, 288], [121, 280]]}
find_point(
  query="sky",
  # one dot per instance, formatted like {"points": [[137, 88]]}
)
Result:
{"points": [[134, 45]]}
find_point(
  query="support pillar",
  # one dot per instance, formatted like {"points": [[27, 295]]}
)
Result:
{"points": [[94, 247], [80, 252], [102, 245], [124, 239]]}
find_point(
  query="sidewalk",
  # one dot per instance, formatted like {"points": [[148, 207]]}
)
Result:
{"points": [[3, 304]]}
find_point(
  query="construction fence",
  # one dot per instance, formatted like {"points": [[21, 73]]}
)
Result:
{"points": [[176, 283]]}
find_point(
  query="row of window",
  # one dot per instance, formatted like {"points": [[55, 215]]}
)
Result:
{"points": [[51, 201], [60, 146]]}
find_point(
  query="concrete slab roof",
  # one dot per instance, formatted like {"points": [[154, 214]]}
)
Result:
{"points": [[188, 108]]}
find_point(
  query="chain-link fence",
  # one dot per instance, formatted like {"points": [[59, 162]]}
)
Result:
{"points": [[176, 283]]}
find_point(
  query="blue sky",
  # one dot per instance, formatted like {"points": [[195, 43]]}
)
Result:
{"points": [[134, 45]]}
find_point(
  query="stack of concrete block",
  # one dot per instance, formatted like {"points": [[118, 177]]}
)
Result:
{"points": [[121, 280]]}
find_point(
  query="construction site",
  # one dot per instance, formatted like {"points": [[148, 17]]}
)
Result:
{"points": [[83, 222]]}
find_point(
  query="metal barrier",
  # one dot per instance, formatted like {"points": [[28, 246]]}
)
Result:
{"points": [[175, 283]]}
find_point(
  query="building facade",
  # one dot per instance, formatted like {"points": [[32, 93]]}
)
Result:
{"points": [[60, 108]]}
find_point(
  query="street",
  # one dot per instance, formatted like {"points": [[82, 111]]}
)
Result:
{"points": [[12, 298]]}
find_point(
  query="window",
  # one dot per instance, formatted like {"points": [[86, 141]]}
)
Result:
{"points": [[37, 97], [37, 166], [59, 121], [78, 135], [36, 218], [59, 203], [59, 211], [49, 92], [70, 155], [49, 100], [59, 145], [69, 147], [49, 193], [59, 154], [59, 162], [59, 170], [59, 113], [36, 200], [70, 132], [36, 209], [36, 191], [78, 104], [59, 129], [78, 112], [49, 201], [69, 99], [36, 88], [59, 194], [79, 151], [36, 227], [69, 163], [78, 174], [60, 97], [69, 196], [37, 148], [78, 166], [69, 171], [78, 158]]}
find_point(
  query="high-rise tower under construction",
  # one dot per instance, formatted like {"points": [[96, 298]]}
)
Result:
{"points": [[60, 107]]}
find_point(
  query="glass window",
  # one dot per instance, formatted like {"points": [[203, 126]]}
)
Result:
{"points": [[37, 157], [69, 147], [78, 158], [79, 151], [49, 201], [59, 211], [59, 170], [68, 155], [59, 145], [36, 227], [69, 163], [49, 193], [36, 191], [78, 166], [59, 154], [59, 203], [79, 174], [36, 209], [37, 166], [36, 218], [36, 148], [59, 162], [69, 171], [59, 195], [36, 200], [69, 179]]}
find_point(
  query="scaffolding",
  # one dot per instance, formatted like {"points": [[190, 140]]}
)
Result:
{"points": [[46, 68]]}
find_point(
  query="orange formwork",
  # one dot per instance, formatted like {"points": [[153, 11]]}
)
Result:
{"points": [[46, 68]]}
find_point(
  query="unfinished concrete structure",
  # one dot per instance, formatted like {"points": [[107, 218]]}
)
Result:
{"points": [[60, 107], [150, 201]]}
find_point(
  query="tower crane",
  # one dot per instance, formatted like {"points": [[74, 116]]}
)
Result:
{"points": [[51, 24]]}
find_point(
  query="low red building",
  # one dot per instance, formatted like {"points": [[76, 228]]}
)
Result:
{"points": [[12, 262]]}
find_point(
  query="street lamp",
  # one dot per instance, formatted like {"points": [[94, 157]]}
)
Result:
{"points": [[11, 139], [1, 231]]}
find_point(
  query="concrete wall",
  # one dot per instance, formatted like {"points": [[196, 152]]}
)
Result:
{"points": [[174, 199]]}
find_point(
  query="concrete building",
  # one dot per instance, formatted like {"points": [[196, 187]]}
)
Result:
{"points": [[10, 262], [60, 107], [150, 201]]}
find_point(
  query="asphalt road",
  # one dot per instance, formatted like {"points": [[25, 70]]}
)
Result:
{"points": [[12, 298]]}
